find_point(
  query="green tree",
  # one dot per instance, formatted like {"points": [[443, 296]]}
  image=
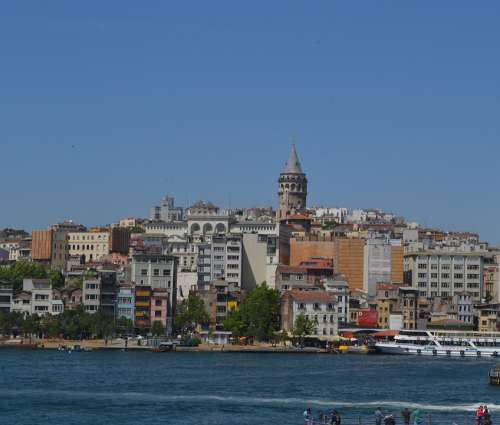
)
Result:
{"points": [[124, 326], [157, 329], [303, 326], [191, 313], [234, 324], [16, 272], [137, 229], [56, 279], [260, 313]]}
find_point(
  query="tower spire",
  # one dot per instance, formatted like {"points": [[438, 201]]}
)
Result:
{"points": [[293, 166]]}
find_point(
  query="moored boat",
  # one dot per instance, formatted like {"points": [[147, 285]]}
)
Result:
{"points": [[443, 343]]}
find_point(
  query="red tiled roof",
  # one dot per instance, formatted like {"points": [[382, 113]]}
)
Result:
{"points": [[312, 296], [291, 269]]}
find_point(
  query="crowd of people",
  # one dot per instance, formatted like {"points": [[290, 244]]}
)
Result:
{"points": [[409, 417]]}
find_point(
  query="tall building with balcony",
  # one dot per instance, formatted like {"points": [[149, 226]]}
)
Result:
{"points": [[221, 258], [154, 272], [100, 291], [126, 302], [444, 271], [142, 308]]}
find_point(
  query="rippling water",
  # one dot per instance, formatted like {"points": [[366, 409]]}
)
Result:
{"points": [[50, 387]]}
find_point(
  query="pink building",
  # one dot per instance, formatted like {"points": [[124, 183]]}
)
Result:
{"points": [[159, 307]]}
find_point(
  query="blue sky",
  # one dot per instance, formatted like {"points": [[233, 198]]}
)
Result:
{"points": [[107, 106]]}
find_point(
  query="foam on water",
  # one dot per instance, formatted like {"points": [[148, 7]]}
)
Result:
{"points": [[148, 397]]}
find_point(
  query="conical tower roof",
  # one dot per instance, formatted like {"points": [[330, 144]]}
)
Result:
{"points": [[293, 164]]}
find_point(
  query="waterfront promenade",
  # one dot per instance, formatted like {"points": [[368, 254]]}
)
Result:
{"points": [[119, 344]]}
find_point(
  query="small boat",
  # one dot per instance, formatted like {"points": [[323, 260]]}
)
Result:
{"points": [[495, 375], [165, 347]]}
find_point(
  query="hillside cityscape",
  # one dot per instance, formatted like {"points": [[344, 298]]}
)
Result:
{"points": [[295, 274]]}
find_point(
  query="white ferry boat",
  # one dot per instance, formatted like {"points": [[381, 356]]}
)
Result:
{"points": [[443, 343]]}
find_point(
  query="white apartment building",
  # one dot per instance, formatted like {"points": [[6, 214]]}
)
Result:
{"points": [[37, 298], [220, 259], [338, 287], [445, 271], [465, 307], [318, 306], [89, 245], [91, 294], [154, 270]]}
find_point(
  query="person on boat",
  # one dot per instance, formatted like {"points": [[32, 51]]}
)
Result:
{"points": [[378, 416], [406, 414], [486, 416], [479, 415], [321, 417], [307, 416], [335, 418]]}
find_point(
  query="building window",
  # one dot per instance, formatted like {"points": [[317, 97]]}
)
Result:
{"points": [[158, 303], [156, 272]]}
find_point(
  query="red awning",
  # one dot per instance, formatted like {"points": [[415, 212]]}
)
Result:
{"points": [[385, 334]]}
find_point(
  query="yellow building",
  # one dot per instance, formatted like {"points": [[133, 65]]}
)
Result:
{"points": [[89, 245]]}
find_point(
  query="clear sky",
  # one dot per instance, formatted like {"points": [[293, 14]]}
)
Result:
{"points": [[106, 106]]}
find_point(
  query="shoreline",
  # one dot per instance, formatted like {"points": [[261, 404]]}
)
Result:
{"points": [[119, 345]]}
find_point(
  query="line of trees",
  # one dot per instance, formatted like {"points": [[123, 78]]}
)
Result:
{"points": [[71, 324]]}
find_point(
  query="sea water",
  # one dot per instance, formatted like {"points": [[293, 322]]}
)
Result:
{"points": [[114, 387]]}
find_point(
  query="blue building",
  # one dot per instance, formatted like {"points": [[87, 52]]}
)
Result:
{"points": [[126, 302]]}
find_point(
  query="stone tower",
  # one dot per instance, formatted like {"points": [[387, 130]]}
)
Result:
{"points": [[292, 189]]}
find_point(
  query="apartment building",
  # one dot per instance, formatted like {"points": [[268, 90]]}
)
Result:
{"points": [[90, 246], [37, 298], [444, 271], [166, 211], [99, 292], [160, 307], [151, 272], [125, 304], [6, 296], [338, 287], [259, 258], [221, 258], [318, 306], [50, 246]]}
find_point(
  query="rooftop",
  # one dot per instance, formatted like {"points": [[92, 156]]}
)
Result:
{"points": [[312, 296]]}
